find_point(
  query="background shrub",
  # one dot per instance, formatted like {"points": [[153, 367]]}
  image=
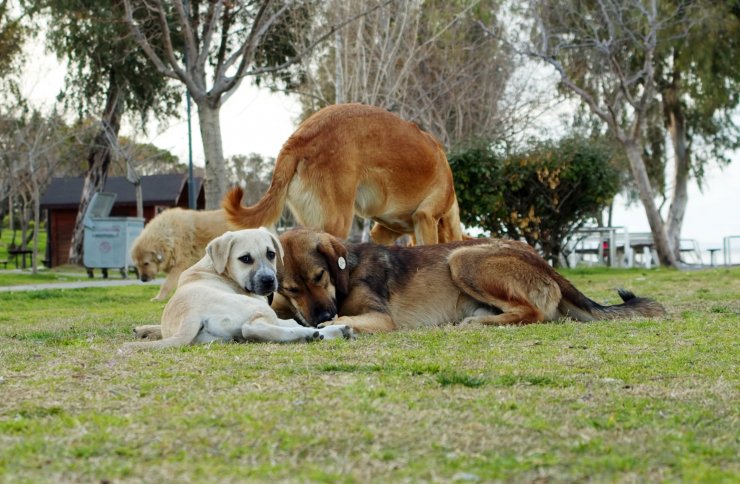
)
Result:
{"points": [[540, 194]]}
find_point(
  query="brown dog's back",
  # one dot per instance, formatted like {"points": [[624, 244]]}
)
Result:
{"points": [[351, 158]]}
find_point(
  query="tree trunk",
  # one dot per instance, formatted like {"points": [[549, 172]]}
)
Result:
{"points": [[11, 219], [139, 200], [217, 180], [98, 161], [645, 190], [680, 196], [36, 227], [36, 198], [25, 221]]}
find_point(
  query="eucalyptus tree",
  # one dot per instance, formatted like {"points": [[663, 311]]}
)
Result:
{"points": [[651, 70], [605, 52], [698, 79], [107, 75], [13, 32]]}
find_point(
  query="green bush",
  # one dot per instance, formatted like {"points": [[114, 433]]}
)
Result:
{"points": [[540, 194]]}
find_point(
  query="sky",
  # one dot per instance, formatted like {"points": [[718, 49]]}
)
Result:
{"points": [[257, 121]]}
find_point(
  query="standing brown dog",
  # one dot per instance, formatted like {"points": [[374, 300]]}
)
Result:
{"points": [[383, 288], [351, 158]]}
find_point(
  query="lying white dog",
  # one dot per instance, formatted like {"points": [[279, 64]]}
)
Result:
{"points": [[223, 297]]}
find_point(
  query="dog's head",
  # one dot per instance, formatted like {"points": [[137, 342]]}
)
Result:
{"points": [[315, 274], [149, 260], [249, 257]]}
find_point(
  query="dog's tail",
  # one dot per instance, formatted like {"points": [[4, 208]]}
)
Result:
{"points": [[579, 307], [267, 211]]}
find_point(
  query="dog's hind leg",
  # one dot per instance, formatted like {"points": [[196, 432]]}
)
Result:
{"points": [[448, 227], [438, 207], [187, 332], [502, 279]]}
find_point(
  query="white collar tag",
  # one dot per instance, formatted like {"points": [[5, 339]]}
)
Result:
{"points": [[342, 263]]}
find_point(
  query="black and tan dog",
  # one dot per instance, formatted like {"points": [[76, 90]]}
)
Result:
{"points": [[383, 288]]}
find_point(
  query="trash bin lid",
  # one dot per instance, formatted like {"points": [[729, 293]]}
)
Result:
{"points": [[100, 205]]}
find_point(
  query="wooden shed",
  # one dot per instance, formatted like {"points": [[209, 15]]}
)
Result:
{"points": [[62, 199]]}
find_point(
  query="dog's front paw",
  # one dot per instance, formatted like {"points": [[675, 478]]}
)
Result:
{"points": [[314, 336], [337, 331], [347, 332]]}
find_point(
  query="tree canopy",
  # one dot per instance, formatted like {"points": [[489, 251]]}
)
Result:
{"points": [[92, 37], [13, 34]]}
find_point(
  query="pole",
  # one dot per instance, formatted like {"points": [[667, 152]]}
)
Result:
{"points": [[192, 202], [191, 182]]}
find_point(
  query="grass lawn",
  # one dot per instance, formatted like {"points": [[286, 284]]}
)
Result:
{"points": [[639, 400]]}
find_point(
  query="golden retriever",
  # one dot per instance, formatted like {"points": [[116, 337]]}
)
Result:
{"points": [[173, 241], [224, 298], [353, 158], [383, 288]]}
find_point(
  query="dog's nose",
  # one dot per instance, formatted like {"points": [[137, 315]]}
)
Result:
{"points": [[323, 316], [267, 280], [264, 283], [144, 278]]}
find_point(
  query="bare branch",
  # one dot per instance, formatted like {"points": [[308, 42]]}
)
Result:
{"points": [[191, 49], [247, 51], [298, 57], [564, 78], [214, 12], [141, 39], [171, 68]]}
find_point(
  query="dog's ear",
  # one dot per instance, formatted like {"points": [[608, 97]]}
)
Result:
{"points": [[218, 250], [336, 257]]}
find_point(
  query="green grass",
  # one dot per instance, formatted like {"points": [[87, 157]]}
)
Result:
{"points": [[640, 400]]}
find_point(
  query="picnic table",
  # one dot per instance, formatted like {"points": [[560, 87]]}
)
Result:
{"points": [[22, 253]]}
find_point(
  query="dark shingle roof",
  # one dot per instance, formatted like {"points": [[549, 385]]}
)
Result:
{"points": [[156, 190]]}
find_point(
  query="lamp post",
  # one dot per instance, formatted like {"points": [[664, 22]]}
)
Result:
{"points": [[191, 182]]}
